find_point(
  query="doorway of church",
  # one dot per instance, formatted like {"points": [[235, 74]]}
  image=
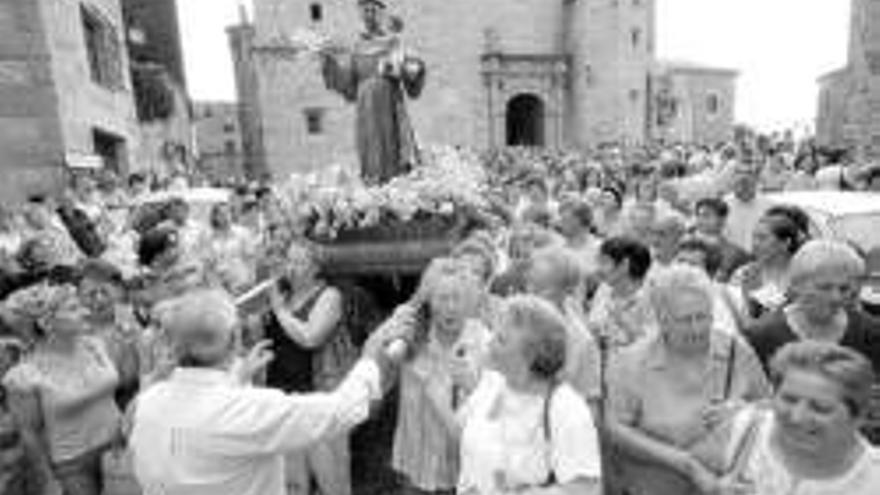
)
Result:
{"points": [[525, 121]]}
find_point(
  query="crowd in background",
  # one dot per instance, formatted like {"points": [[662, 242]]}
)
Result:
{"points": [[641, 321]]}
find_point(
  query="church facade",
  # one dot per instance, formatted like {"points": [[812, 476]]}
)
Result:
{"points": [[849, 98], [556, 73]]}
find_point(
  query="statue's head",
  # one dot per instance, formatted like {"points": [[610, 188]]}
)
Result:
{"points": [[372, 12]]}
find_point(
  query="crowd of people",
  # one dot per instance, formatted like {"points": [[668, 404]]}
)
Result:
{"points": [[630, 322]]}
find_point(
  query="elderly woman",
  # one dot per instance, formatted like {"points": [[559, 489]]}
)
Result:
{"points": [[808, 442], [669, 395], [524, 429], [437, 378], [524, 240], [665, 235], [63, 392], [555, 275], [824, 277], [764, 283], [314, 351]]}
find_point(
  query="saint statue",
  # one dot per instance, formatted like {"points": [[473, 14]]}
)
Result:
{"points": [[378, 75]]}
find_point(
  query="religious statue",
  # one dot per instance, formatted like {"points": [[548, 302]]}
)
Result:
{"points": [[377, 74]]}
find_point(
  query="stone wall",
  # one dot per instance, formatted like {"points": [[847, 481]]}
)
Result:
{"points": [[84, 105], [30, 137], [216, 128], [695, 121]]}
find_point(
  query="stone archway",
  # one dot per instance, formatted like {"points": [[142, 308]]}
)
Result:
{"points": [[524, 119]]}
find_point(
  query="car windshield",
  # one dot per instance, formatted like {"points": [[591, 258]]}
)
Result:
{"points": [[863, 230]]}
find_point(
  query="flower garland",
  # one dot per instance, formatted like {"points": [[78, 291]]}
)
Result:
{"points": [[449, 183]]}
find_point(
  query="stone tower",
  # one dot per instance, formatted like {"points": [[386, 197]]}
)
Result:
{"points": [[557, 73], [612, 43], [849, 98]]}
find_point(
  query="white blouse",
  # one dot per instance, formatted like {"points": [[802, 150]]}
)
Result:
{"points": [[504, 447], [768, 476]]}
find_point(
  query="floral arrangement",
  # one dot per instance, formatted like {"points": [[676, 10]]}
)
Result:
{"points": [[448, 185]]}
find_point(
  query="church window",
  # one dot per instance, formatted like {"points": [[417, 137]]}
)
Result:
{"points": [[314, 121], [635, 37], [316, 12], [634, 95], [713, 104]]}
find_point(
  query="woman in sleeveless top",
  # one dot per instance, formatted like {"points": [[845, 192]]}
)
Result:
{"points": [[63, 392], [313, 352]]}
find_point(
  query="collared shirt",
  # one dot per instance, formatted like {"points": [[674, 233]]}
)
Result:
{"points": [[201, 433]]}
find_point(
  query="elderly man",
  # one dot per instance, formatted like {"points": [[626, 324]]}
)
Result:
{"points": [[205, 432]]}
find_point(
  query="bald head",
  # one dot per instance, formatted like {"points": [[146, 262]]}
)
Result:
{"points": [[202, 326]]}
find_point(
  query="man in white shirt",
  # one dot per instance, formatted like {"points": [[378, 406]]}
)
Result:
{"points": [[205, 432], [746, 207]]}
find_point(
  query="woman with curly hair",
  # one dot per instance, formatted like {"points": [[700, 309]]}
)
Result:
{"points": [[63, 391]]}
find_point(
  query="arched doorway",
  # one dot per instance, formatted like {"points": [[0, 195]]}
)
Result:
{"points": [[525, 121]]}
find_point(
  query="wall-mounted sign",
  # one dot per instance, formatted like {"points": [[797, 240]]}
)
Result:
{"points": [[84, 161]]}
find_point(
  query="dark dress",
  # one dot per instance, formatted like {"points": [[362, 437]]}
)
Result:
{"points": [[384, 136], [772, 332], [291, 370]]}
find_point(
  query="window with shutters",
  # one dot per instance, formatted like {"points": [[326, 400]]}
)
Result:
{"points": [[102, 49]]}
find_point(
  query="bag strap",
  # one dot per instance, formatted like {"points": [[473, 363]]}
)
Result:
{"points": [[731, 367], [548, 432], [745, 445]]}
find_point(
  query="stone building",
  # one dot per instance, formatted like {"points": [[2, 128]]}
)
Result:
{"points": [[241, 43], [557, 73], [65, 92], [693, 103], [848, 113], [163, 104], [218, 139]]}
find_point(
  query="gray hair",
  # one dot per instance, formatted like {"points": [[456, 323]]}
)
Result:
{"points": [[545, 342], [675, 279], [203, 326], [568, 270], [850, 370], [825, 255]]}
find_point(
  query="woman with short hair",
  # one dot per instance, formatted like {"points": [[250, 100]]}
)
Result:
{"points": [[555, 274], [670, 394], [524, 430], [808, 442], [63, 391], [824, 280]]}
